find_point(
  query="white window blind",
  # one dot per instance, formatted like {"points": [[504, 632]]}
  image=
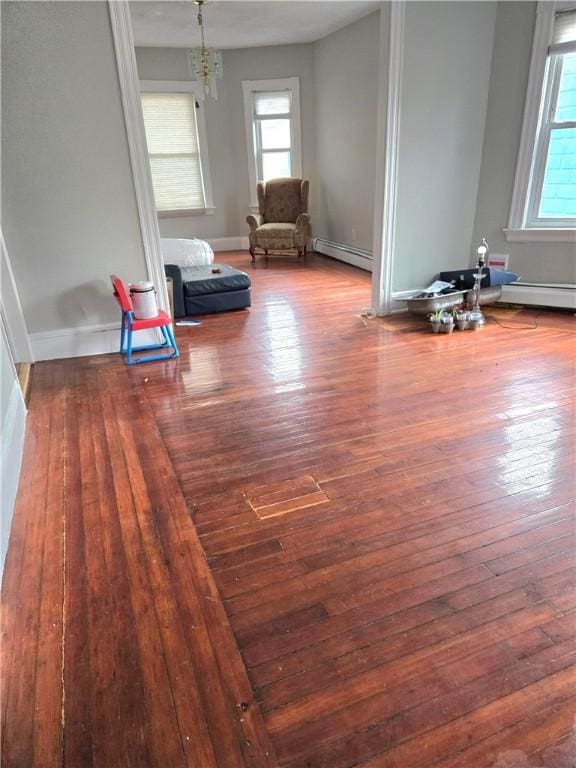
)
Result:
{"points": [[277, 103], [564, 35], [173, 150]]}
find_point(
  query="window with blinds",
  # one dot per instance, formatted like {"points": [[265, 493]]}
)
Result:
{"points": [[173, 150], [553, 195], [273, 133], [564, 35]]}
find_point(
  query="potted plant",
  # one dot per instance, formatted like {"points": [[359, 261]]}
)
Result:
{"points": [[461, 316], [447, 322], [436, 320]]}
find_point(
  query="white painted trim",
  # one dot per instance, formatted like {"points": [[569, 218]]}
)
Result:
{"points": [[16, 329], [535, 235], [350, 255], [185, 213], [278, 84], [189, 86], [13, 432], [239, 243], [130, 91], [81, 342], [388, 141], [560, 296]]}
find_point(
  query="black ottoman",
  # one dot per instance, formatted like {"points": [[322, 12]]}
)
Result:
{"points": [[200, 291]]}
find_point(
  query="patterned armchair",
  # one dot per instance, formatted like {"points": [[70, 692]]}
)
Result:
{"points": [[283, 223]]}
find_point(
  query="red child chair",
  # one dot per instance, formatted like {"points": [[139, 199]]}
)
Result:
{"points": [[163, 321]]}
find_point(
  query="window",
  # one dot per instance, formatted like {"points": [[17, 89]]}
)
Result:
{"points": [[177, 152], [544, 202], [273, 134], [272, 112], [553, 198]]}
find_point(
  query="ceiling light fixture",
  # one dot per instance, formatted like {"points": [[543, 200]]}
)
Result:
{"points": [[205, 63]]}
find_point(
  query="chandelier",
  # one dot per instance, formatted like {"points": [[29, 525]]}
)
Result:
{"points": [[205, 63]]}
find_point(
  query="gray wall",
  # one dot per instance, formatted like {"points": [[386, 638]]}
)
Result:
{"points": [[444, 94], [534, 262], [68, 203], [226, 130], [346, 77]]}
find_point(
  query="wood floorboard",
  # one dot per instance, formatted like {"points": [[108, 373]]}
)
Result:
{"points": [[314, 541]]}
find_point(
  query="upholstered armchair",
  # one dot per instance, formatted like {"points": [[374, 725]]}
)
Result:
{"points": [[283, 222]]}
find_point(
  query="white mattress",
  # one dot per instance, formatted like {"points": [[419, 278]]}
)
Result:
{"points": [[186, 253]]}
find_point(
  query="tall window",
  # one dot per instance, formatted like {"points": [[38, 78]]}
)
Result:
{"points": [[273, 133], [175, 153], [272, 113], [545, 191], [554, 188]]}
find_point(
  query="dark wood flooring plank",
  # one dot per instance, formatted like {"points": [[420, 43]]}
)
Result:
{"points": [[453, 738], [80, 733], [363, 684], [550, 726], [222, 681], [144, 691], [461, 632], [441, 710], [24, 688]]}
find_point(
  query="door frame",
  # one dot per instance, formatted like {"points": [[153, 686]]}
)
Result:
{"points": [[132, 107], [387, 150], [388, 137], [12, 313]]}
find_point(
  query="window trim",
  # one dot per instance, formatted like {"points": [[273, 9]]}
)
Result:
{"points": [[522, 227], [186, 86], [249, 87]]}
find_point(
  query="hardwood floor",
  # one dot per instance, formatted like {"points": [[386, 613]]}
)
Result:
{"points": [[315, 541]]}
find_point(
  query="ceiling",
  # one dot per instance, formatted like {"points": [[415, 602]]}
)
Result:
{"points": [[239, 24]]}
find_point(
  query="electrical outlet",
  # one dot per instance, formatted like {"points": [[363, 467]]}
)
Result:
{"points": [[354, 234]]}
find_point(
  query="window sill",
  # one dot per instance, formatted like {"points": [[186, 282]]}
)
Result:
{"points": [[542, 235], [208, 211]]}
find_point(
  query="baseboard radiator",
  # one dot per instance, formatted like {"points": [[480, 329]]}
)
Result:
{"points": [[348, 253], [558, 296]]}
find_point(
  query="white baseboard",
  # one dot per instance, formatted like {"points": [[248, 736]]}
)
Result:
{"points": [[347, 253], [540, 295], [240, 243], [13, 430], [81, 342]]}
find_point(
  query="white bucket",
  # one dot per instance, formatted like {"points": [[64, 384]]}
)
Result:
{"points": [[143, 295]]}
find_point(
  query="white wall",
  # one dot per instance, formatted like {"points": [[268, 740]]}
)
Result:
{"points": [[346, 81], [226, 130], [12, 423], [68, 204], [446, 75], [534, 262]]}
